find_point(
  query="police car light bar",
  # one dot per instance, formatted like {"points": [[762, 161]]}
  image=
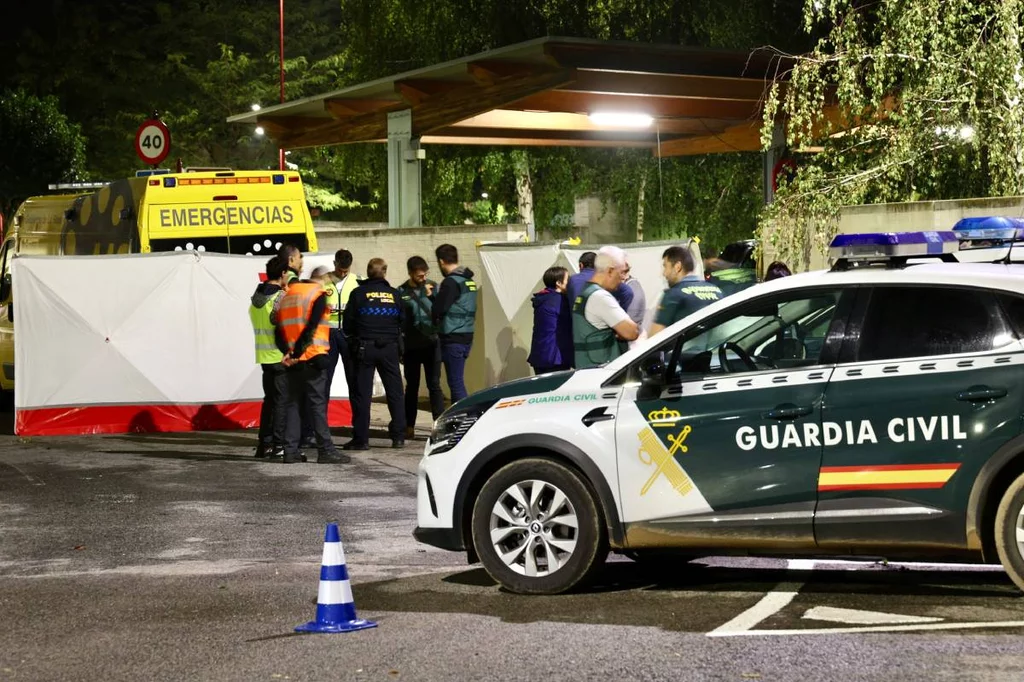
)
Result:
{"points": [[988, 231], [892, 248]]}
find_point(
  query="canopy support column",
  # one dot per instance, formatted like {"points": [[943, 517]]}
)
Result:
{"points": [[404, 155]]}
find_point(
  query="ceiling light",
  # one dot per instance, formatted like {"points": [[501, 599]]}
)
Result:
{"points": [[255, 107], [259, 130], [623, 120]]}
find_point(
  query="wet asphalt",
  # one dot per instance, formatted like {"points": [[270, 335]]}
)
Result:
{"points": [[180, 556]]}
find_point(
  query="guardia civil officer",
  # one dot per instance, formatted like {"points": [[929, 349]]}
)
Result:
{"points": [[373, 323], [454, 312], [687, 292], [422, 346], [600, 327]]}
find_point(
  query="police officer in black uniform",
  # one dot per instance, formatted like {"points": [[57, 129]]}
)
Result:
{"points": [[373, 324]]}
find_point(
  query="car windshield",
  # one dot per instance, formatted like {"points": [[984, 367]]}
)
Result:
{"points": [[786, 334]]}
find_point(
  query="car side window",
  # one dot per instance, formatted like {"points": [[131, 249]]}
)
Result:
{"points": [[907, 322], [782, 332]]}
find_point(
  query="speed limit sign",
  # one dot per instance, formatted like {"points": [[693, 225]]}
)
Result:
{"points": [[153, 141]]}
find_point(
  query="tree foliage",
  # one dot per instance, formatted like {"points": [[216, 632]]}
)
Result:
{"points": [[38, 146], [923, 101]]}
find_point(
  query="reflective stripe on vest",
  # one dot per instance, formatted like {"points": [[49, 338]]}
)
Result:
{"points": [[592, 346], [293, 314], [461, 317], [267, 352]]}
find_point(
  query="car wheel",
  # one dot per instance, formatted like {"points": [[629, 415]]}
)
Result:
{"points": [[1010, 531], [537, 528]]}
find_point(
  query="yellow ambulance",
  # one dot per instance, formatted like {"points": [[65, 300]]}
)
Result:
{"points": [[211, 210]]}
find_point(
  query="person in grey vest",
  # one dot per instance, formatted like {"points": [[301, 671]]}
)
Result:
{"points": [[454, 313], [600, 327]]}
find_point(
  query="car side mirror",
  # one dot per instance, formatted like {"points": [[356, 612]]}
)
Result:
{"points": [[5, 287], [652, 377]]}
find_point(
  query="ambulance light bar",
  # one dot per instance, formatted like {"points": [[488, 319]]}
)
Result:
{"points": [[892, 248]]}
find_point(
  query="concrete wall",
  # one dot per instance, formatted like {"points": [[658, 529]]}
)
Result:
{"points": [[396, 245]]}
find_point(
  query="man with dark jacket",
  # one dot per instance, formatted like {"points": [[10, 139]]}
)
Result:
{"points": [[373, 323], [454, 312], [551, 348], [422, 346], [270, 357]]}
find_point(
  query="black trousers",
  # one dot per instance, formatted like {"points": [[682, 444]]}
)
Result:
{"points": [[382, 357], [273, 414], [307, 381], [429, 358], [340, 351]]}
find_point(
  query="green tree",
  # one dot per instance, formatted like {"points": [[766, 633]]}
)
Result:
{"points": [[909, 100], [38, 146]]}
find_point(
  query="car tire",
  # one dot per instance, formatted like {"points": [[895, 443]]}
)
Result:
{"points": [[1010, 518], [538, 534]]}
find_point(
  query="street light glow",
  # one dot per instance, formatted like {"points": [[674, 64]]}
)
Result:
{"points": [[255, 107], [259, 130], [623, 120]]}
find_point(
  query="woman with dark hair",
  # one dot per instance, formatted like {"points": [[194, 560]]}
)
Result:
{"points": [[551, 349], [775, 270]]}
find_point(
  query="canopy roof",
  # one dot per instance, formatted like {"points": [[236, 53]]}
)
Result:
{"points": [[541, 93]]}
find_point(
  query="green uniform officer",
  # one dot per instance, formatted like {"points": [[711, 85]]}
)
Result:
{"points": [[600, 327], [687, 293]]}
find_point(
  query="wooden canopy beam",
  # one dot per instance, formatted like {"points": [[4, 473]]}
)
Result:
{"points": [[436, 111], [745, 137], [663, 107]]}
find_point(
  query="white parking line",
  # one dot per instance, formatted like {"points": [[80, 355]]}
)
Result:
{"points": [[861, 617], [879, 628], [770, 604]]}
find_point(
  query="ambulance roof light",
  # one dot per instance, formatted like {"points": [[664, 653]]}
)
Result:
{"points": [[891, 248]]}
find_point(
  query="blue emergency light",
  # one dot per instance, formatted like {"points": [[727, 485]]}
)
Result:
{"points": [[989, 230], [278, 179], [892, 248]]}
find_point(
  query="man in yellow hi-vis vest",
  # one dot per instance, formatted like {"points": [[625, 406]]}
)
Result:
{"points": [[339, 285], [273, 413]]}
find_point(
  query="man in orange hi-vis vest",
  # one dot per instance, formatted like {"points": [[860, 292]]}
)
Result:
{"points": [[303, 337]]}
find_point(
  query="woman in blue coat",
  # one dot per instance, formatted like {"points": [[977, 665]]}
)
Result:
{"points": [[551, 349]]}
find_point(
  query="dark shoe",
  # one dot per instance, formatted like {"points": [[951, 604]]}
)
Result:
{"points": [[333, 458], [293, 458], [352, 445], [398, 442], [275, 454], [263, 451]]}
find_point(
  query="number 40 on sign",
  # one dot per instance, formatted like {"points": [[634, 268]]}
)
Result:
{"points": [[152, 141]]}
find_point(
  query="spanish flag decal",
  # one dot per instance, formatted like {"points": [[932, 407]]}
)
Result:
{"points": [[886, 476]]}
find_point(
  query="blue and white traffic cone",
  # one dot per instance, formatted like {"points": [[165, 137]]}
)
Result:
{"points": [[335, 608]]}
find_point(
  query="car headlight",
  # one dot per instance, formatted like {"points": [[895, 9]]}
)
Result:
{"points": [[451, 426]]}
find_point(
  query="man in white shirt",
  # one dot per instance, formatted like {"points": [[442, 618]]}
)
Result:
{"points": [[600, 327]]}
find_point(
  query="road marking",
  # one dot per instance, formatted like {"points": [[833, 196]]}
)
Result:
{"points": [[770, 604], [31, 479], [860, 617], [877, 628]]}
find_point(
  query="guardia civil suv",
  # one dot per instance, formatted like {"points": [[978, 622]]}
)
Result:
{"points": [[873, 409]]}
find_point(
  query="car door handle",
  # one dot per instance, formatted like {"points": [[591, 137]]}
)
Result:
{"points": [[597, 414], [789, 411], [975, 393]]}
